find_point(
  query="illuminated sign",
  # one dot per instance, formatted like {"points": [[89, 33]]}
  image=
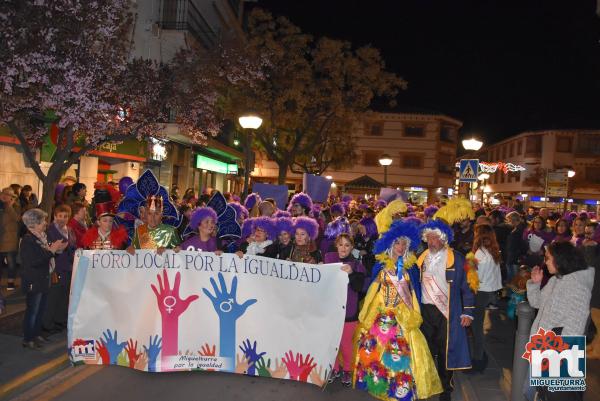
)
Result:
{"points": [[206, 163]]}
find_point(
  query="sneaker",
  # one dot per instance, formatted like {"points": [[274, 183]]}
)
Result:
{"points": [[346, 378], [492, 307], [334, 375]]}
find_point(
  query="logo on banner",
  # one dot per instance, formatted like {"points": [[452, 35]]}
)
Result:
{"points": [[84, 349], [557, 362]]}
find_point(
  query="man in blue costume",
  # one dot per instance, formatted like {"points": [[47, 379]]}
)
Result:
{"points": [[447, 303]]}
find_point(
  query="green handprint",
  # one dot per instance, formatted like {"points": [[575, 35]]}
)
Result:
{"points": [[262, 369]]}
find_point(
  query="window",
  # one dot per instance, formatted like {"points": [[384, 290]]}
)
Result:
{"points": [[371, 157], [375, 129], [414, 131], [503, 152], [446, 164], [412, 161], [447, 134], [519, 147], [533, 145], [588, 144], [564, 144], [592, 175], [511, 150]]}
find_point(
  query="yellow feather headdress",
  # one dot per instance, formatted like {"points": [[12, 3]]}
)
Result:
{"points": [[456, 209], [384, 218]]}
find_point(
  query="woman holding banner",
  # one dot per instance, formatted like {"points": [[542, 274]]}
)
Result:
{"points": [[204, 221], [305, 249], [392, 359]]}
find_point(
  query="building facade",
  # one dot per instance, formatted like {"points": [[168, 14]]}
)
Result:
{"points": [[422, 147], [542, 152]]}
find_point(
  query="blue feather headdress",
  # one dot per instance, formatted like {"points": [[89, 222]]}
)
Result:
{"points": [[398, 229], [440, 227]]}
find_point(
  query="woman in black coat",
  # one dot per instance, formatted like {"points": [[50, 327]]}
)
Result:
{"points": [[37, 258]]}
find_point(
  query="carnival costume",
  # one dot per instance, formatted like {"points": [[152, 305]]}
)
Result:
{"points": [[161, 236], [265, 248], [194, 242], [283, 224], [392, 360], [386, 216], [306, 253], [447, 283], [116, 239], [303, 200]]}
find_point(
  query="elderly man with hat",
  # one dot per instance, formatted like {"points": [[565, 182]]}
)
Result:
{"points": [[9, 235], [447, 302], [153, 234]]}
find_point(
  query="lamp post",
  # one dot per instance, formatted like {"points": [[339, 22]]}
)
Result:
{"points": [[385, 160], [570, 174], [483, 178], [474, 145], [250, 122]]}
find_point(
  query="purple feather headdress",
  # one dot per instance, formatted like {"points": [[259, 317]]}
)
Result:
{"points": [[430, 211], [370, 226], [247, 228], [337, 227], [282, 213], [381, 203], [200, 214], [252, 200], [307, 224], [303, 200], [266, 224], [284, 224], [241, 211], [337, 208]]}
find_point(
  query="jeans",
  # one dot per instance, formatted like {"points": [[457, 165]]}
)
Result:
{"points": [[34, 312], [482, 299], [10, 263]]}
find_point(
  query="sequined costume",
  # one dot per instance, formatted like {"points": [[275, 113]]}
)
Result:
{"points": [[116, 239], [162, 236], [392, 359]]}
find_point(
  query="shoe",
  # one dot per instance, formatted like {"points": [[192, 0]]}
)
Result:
{"points": [[492, 307], [41, 339], [334, 375], [346, 378], [10, 287], [31, 345]]}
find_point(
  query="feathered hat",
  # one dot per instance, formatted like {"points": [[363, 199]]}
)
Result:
{"points": [[398, 229], [266, 224], [282, 213], [385, 217], [199, 215], [252, 200], [303, 200], [430, 211], [307, 224], [284, 224], [338, 208], [440, 228], [241, 211], [336, 227], [455, 210]]}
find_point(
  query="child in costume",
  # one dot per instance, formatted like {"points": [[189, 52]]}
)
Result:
{"points": [[356, 276], [392, 360], [204, 221], [104, 235]]}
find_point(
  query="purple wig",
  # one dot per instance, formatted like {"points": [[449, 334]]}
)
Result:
{"points": [[363, 206], [413, 220], [410, 208], [316, 209], [252, 200], [307, 224], [235, 198], [347, 198], [303, 200], [430, 211], [337, 227], [338, 208], [284, 224], [247, 228], [381, 203], [266, 224], [240, 210], [200, 214], [282, 213], [370, 227]]}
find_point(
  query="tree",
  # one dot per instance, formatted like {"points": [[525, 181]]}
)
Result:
{"points": [[313, 94], [67, 62]]}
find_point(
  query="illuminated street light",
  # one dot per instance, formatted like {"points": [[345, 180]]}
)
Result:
{"points": [[483, 177], [472, 144], [250, 121], [385, 160], [571, 173]]}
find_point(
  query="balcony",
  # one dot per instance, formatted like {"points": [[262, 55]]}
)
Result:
{"points": [[183, 15]]}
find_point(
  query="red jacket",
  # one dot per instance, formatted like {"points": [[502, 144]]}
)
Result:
{"points": [[79, 231]]}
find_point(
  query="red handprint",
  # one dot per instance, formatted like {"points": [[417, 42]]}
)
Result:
{"points": [[103, 352], [207, 351], [298, 368], [131, 349]]}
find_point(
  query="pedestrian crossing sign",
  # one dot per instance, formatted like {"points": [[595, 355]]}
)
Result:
{"points": [[469, 169]]}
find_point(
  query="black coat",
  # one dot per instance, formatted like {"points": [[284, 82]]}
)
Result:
{"points": [[515, 246], [36, 264]]}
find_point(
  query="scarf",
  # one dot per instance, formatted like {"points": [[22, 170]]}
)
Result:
{"points": [[42, 240], [256, 248]]}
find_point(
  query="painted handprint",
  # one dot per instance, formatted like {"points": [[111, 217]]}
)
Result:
{"points": [[252, 355], [153, 349], [206, 350], [265, 369], [241, 364], [122, 359], [141, 362], [317, 378], [132, 354], [113, 346], [228, 310], [102, 352], [171, 306], [298, 367]]}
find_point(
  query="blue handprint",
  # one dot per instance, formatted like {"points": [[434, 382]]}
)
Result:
{"points": [[154, 347], [252, 356], [229, 311], [113, 346]]}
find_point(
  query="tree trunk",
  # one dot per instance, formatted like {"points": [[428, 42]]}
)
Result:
{"points": [[283, 169], [48, 192]]}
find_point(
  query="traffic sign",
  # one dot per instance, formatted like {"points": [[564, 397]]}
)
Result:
{"points": [[468, 171], [557, 183]]}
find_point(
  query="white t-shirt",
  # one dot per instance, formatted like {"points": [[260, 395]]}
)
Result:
{"points": [[490, 277]]}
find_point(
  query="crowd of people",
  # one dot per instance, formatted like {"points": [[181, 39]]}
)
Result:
{"points": [[420, 276]]}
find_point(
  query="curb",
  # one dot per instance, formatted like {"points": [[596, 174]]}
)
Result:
{"points": [[32, 374]]}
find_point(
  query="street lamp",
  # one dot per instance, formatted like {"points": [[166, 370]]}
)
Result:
{"points": [[385, 160], [483, 178], [472, 144], [570, 174], [249, 121]]}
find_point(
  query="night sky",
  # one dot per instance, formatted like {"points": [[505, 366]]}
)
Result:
{"points": [[500, 66]]}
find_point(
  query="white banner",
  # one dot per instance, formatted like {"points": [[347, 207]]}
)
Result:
{"points": [[199, 311]]}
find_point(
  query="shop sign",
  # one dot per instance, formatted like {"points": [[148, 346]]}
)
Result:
{"points": [[206, 163]]}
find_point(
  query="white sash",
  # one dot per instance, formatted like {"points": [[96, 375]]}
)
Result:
{"points": [[435, 293]]}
